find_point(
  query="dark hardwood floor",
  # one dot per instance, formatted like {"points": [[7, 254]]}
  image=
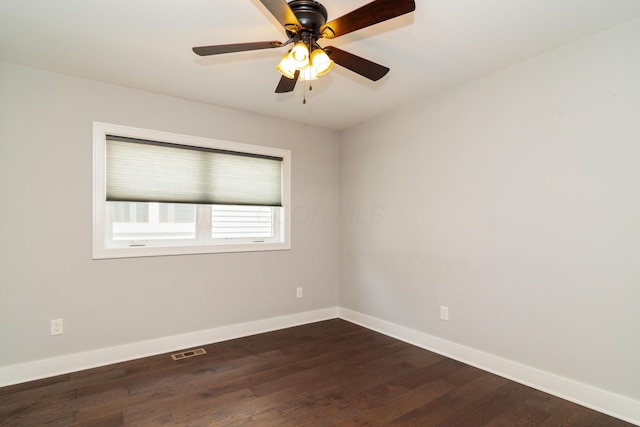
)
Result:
{"points": [[330, 373]]}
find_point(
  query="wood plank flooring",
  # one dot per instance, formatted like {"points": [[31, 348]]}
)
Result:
{"points": [[330, 373]]}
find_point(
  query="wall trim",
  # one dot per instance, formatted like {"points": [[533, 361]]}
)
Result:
{"points": [[600, 400], [24, 372]]}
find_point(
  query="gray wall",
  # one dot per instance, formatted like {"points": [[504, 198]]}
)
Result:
{"points": [[46, 270], [514, 200]]}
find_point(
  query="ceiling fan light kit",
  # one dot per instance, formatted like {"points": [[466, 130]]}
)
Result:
{"points": [[311, 66], [305, 22]]}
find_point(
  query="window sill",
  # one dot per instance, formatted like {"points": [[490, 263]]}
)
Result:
{"points": [[151, 251]]}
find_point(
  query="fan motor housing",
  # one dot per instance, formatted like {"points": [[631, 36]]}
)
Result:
{"points": [[311, 14]]}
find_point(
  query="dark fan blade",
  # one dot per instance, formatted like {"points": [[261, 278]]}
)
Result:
{"points": [[359, 65], [282, 12], [286, 84], [237, 47], [369, 14]]}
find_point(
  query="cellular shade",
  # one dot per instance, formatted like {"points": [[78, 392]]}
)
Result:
{"points": [[148, 171]]}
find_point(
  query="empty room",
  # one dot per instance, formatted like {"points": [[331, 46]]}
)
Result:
{"points": [[303, 213]]}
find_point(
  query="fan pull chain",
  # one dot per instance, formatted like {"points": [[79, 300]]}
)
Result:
{"points": [[304, 100]]}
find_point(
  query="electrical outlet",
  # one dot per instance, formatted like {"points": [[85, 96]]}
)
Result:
{"points": [[444, 313], [56, 327], [299, 292]]}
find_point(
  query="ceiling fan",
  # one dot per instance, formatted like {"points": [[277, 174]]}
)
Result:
{"points": [[305, 22]]}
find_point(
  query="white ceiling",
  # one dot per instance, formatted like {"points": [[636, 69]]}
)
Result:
{"points": [[146, 44]]}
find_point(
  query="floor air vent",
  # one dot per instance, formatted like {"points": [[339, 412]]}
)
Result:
{"points": [[189, 353]]}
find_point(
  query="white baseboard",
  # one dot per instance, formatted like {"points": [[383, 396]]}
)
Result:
{"points": [[600, 400], [30, 371]]}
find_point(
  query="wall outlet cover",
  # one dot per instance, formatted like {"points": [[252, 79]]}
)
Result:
{"points": [[57, 327], [444, 313]]}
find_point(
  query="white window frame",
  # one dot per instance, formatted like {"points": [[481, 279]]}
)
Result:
{"points": [[102, 247]]}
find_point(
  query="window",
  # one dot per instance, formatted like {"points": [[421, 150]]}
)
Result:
{"points": [[157, 193]]}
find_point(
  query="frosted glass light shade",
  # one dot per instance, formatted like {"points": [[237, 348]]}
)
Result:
{"points": [[299, 55], [320, 62], [308, 74], [286, 67]]}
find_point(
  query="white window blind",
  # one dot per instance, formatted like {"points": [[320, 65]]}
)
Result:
{"points": [[147, 171], [157, 193]]}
